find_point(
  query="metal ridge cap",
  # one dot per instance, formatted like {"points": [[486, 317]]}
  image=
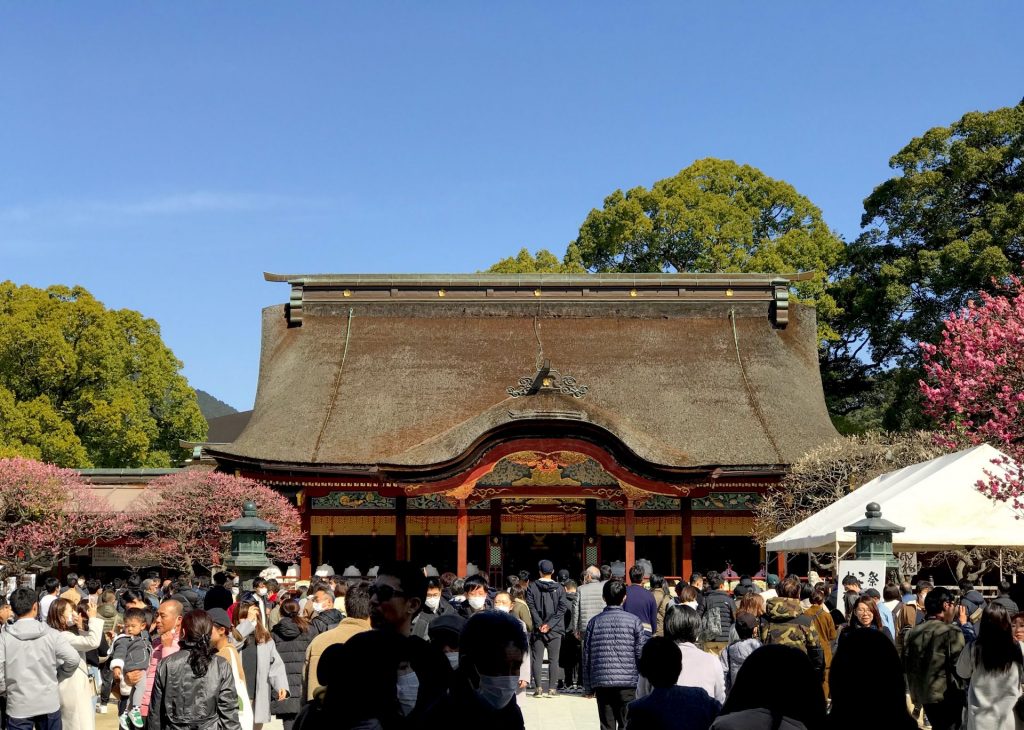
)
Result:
{"points": [[727, 279]]}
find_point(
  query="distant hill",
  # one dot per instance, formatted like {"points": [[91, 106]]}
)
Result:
{"points": [[211, 407]]}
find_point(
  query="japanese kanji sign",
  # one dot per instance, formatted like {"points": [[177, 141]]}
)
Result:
{"points": [[870, 573]]}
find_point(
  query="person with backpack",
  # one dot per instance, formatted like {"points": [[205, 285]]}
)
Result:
{"points": [[719, 613], [548, 604]]}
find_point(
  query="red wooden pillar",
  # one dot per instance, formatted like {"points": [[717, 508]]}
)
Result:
{"points": [[780, 565], [306, 555], [630, 535], [400, 534], [462, 531], [686, 526]]}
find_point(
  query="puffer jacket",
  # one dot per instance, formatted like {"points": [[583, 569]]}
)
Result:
{"points": [[722, 602], [589, 602], [733, 656], [611, 652], [291, 646], [182, 701], [548, 604], [325, 621], [785, 623]]}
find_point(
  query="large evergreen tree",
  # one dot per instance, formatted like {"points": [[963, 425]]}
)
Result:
{"points": [[82, 385]]}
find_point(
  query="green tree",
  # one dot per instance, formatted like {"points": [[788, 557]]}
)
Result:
{"points": [[544, 262], [81, 385], [947, 226], [716, 216]]}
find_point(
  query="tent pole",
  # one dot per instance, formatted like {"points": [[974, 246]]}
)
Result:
{"points": [[1000, 565]]}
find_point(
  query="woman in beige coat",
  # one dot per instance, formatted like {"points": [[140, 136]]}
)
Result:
{"points": [[78, 690]]}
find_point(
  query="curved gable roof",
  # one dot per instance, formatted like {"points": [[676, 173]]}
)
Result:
{"points": [[405, 376]]}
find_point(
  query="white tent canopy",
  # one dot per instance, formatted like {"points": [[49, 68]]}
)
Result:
{"points": [[936, 501]]}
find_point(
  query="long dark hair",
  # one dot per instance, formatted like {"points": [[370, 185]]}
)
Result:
{"points": [[780, 679], [196, 628], [995, 646], [866, 668], [260, 634], [290, 609]]}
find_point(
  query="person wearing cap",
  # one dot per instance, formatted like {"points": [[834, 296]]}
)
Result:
{"points": [[444, 632], [221, 641], [548, 604], [357, 621], [733, 656]]}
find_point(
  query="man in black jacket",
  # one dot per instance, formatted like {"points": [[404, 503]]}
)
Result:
{"points": [[434, 607], [547, 603], [218, 596]]}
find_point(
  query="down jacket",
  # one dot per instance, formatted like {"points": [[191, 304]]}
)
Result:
{"points": [[611, 652], [181, 701], [722, 602], [291, 646], [590, 603]]}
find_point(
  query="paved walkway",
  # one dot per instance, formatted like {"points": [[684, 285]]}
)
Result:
{"points": [[565, 712]]}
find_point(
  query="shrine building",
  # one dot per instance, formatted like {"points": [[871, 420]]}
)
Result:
{"points": [[499, 419]]}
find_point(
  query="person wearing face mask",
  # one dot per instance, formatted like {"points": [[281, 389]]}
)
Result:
{"points": [[444, 634], [77, 691], [434, 607], [325, 615], [357, 601], [504, 603], [484, 687], [475, 588]]}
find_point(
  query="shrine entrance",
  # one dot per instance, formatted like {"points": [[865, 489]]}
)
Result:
{"points": [[524, 552]]}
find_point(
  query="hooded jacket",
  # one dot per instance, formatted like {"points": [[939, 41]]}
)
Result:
{"points": [[111, 618], [325, 621], [291, 646], [785, 623], [33, 658], [548, 604]]}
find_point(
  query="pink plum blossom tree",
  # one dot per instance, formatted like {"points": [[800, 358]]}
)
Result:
{"points": [[46, 513], [975, 385], [177, 521]]}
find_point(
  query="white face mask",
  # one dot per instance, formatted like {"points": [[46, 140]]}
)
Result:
{"points": [[317, 608], [477, 602], [408, 688], [433, 602], [503, 609], [70, 620], [497, 691], [261, 592], [234, 591], [453, 658]]}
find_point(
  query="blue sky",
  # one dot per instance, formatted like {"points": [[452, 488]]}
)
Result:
{"points": [[164, 155]]}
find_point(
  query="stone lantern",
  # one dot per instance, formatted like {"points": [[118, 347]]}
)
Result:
{"points": [[874, 536], [248, 554]]}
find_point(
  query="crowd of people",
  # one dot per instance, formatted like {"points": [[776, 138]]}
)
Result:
{"points": [[409, 648]]}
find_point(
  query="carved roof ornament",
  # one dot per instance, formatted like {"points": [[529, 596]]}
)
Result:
{"points": [[547, 379]]}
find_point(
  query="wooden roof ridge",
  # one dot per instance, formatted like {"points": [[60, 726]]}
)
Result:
{"points": [[569, 280]]}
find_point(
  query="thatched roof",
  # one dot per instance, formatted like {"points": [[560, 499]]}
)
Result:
{"points": [[410, 373]]}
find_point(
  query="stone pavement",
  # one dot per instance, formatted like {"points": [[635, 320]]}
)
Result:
{"points": [[565, 712]]}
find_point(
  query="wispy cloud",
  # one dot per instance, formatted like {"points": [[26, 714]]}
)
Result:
{"points": [[176, 204]]}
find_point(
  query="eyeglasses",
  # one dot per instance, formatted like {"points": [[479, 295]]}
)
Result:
{"points": [[385, 592]]}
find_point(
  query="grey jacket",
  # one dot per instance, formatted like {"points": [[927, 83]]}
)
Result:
{"points": [[589, 602], [33, 658], [271, 672]]}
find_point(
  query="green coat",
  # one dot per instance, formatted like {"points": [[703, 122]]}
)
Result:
{"points": [[930, 652]]}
